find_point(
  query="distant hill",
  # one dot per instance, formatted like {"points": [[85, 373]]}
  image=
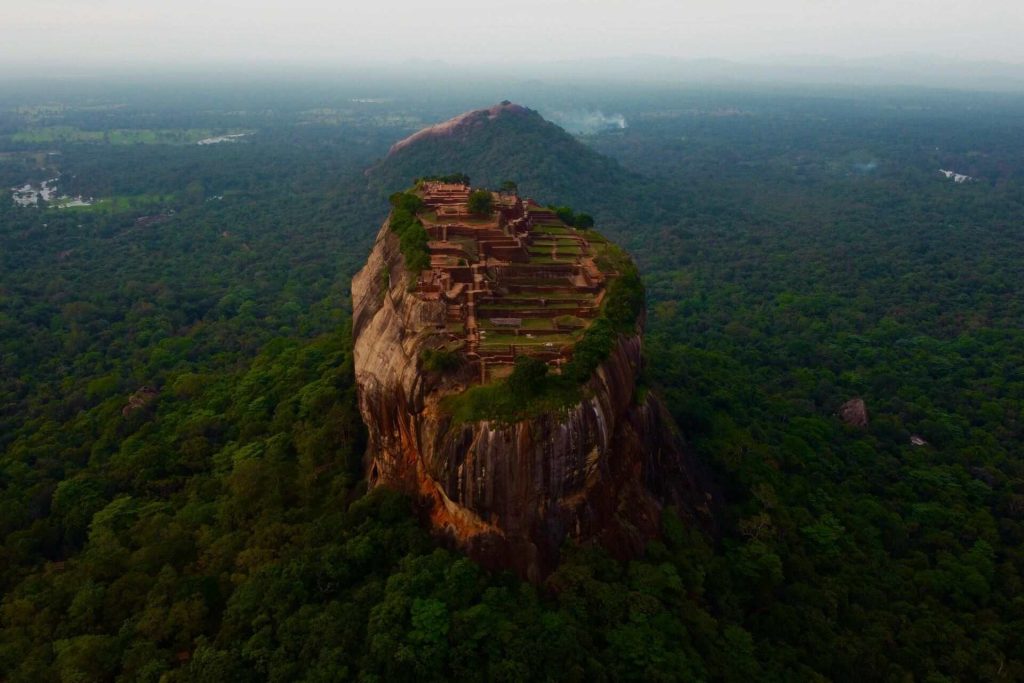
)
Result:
{"points": [[511, 142]]}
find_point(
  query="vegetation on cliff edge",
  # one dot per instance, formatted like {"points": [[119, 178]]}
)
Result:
{"points": [[412, 236]]}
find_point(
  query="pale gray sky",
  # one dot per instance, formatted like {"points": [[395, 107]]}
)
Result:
{"points": [[86, 33]]}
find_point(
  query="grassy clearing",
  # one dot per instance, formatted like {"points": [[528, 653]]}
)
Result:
{"points": [[551, 230], [550, 296], [120, 136], [571, 321], [538, 281], [493, 340], [498, 372], [527, 324], [477, 220], [468, 245], [505, 311], [117, 204], [610, 258], [537, 324], [567, 250], [532, 304], [553, 394], [593, 236], [57, 134]]}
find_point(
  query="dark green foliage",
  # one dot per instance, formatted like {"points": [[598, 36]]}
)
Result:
{"points": [[221, 533], [440, 360], [460, 178], [592, 350], [527, 377], [480, 202], [406, 202], [513, 400], [412, 236], [565, 214], [414, 240], [545, 161], [619, 315], [583, 221], [625, 301]]}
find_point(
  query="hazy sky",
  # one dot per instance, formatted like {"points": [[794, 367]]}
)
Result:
{"points": [[84, 33]]}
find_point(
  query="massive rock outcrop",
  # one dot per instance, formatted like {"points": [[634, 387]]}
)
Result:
{"points": [[461, 124], [511, 494]]}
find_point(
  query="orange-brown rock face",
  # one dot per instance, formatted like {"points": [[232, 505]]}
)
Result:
{"points": [[510, 494]]}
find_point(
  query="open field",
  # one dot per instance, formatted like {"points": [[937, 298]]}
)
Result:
{"points": [[123, 136], [550, 296], [554, 341], [551, 230], [527, 324], [117, 204]]}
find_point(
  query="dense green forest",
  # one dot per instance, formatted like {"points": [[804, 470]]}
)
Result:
{"points": [[181, 494]]}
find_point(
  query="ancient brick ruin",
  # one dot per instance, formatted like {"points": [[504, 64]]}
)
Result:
{"points": [[518, 281]]}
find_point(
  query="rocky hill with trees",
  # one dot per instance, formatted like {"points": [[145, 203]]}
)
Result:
{"points": [[535, 429]]}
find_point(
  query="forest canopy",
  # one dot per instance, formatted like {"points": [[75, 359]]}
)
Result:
{"points": [[181, 485]]}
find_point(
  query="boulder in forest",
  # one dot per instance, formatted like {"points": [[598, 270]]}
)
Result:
{"points": [[854, 413], [140, 399]]}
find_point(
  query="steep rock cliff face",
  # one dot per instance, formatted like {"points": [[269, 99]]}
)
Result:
{"points": [[510, 494]]}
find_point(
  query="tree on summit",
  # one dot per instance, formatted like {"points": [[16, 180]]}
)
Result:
{"points": [[480, 202], [583, 220], [565, 214]]}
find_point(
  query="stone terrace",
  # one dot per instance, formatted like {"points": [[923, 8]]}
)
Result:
{"points": [[516, 282]]}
